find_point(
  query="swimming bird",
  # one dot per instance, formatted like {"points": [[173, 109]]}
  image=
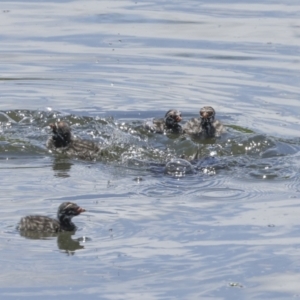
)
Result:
{"points": [[206, 126], [168, 124], [66, 211], [63, 141]]}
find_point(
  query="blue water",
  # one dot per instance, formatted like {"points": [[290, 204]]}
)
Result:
{"points": [[226, 230]]}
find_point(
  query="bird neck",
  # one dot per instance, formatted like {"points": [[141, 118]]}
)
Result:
{"points": [[172, 124], [208, 127], [61, 140], [66, 222]]}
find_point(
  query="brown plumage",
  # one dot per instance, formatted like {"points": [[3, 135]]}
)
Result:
{"points": [[206, 126], [65, 213], [170, 123], [63, 141]]}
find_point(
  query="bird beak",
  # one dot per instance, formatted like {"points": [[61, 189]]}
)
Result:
{"points": [[178, 119], [80, 210], [53, 127], [205, 115]]}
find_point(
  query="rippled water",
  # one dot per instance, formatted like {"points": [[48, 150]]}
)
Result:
{"points": [[222, 222]]}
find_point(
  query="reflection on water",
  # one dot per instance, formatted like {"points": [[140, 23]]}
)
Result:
{"points": [[61, 167], [64, 239], [65, 242], [227, 226]]}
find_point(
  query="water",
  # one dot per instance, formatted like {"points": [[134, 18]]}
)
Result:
{"points": [[224, 226]]}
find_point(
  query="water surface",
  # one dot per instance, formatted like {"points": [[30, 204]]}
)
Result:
{"points": [[226, 229]]}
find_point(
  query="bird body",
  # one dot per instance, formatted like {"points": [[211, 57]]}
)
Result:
{"points": [[39, 223]]}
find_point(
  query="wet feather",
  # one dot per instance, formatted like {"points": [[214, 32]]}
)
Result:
{"points": [[62, 141], [168, 124], [206, 126], [65, 213]]}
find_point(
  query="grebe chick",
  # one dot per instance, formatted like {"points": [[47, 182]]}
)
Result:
{"points": [[66, 211], [206, 126], [63, 141], [169, 124]]}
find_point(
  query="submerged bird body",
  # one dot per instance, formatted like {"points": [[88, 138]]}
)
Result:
{"points": [[206, 126], [63, 142], [65, 213], [169, 124]]}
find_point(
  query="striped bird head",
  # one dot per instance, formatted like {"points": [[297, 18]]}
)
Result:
{"points": [[68, 210], [172, 118], [61, 134]]}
